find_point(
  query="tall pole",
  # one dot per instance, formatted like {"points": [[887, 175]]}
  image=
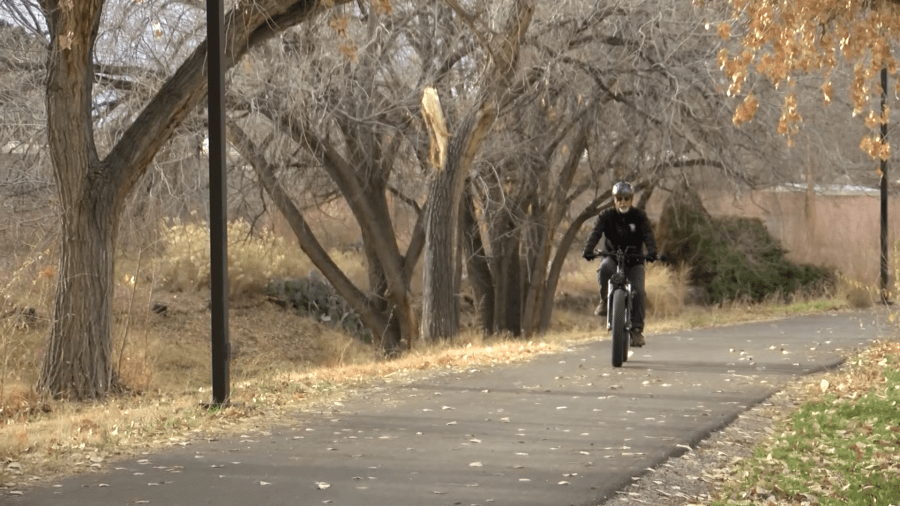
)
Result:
{"points": [[884, 196], [218, 243]]}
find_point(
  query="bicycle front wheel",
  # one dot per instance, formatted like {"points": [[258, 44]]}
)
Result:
{"points": [[619, 336]]}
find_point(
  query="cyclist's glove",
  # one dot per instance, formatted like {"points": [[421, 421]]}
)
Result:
{"points": [[588, 255], [652, 257]]}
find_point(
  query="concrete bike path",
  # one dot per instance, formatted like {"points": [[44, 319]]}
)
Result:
{"points": [[564, 429]]}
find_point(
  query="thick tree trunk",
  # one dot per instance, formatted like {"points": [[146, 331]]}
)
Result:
{"points": [[511, 279], [539, 245], [507, 273], [438, 316], [441, 225], [389, 335], [78, 362]]}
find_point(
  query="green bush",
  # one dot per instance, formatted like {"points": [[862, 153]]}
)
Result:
{"points": [[744, 261]]}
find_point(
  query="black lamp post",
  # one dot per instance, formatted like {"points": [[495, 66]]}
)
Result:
{"points": [[215, 14], [884, 196]]}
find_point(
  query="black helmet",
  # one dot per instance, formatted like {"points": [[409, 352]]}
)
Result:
{"points": [[622, 189]]}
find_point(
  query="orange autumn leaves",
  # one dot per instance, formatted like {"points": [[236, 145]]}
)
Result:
{"points": [[784, 40]]}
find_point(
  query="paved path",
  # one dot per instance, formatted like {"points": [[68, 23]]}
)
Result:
{"points": [[564, 429]]}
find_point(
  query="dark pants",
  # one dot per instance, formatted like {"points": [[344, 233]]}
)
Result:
{"points": [[635, 274]]}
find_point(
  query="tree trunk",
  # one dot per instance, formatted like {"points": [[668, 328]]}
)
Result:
{"points": [[591, 210], [540, 243], [441, 225], [437, 264], [512, 283], [477, 265], [387, 330], [389, 335], [541, 291], [565, 244], [507, 276], [78, 362]]}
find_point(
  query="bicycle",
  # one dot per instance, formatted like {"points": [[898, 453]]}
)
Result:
{"points": [[618, 305]]}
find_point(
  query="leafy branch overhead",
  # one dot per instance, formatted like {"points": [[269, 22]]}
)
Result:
{"points": [[786, 41]]}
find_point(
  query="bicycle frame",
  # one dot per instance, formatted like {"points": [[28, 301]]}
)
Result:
{"points": [[618, 281]]}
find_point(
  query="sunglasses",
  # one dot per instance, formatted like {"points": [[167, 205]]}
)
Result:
{"points": [[622, 199]]}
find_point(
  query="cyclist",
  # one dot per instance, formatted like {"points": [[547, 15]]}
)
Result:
{"points": [[628, 228]]}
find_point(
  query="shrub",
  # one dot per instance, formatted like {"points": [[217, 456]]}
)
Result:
{"points": [[666, 288], [730, 257], [745, 261], [315, 297]]}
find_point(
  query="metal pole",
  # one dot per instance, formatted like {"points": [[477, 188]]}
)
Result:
{"points": [[218, 243], [884, 196]]}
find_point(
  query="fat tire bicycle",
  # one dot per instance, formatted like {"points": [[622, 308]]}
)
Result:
{"points": [[619, 298]]}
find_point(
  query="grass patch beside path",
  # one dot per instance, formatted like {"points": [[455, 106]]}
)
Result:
{"points": [[841, 447]]}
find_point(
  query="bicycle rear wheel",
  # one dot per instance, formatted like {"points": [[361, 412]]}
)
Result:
{"points": [[619, 336]]}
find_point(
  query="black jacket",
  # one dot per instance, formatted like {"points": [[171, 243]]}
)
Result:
{"points": [[629, 231]]}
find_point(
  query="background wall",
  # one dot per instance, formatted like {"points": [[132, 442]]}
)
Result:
{"points": [[837, 227]]}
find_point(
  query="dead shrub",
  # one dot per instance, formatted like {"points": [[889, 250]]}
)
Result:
{"points": [[667, 289], [859, 297], [18, 401]]}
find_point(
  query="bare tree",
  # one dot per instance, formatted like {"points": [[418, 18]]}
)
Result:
{"points": [[93, 187], [354, 119]]}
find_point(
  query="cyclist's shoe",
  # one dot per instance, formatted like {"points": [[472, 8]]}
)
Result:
{"points": [[637, 338], [600, 310]]}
